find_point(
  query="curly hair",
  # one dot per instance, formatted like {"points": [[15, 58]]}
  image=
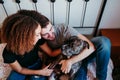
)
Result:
{"points": [[41, 19], [18, 32]]}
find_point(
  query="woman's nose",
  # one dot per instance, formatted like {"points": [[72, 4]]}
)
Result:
{"points": [[39, 37]]}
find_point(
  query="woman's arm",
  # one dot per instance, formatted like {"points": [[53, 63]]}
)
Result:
{"points": [[18, 68], [49, 51]]}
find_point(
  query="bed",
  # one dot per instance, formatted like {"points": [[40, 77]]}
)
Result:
{"points": [[5, 69]]}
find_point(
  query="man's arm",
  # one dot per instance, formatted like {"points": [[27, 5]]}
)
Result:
{"points": [[85, 53]]}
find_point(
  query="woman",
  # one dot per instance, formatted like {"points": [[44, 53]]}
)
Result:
{"points": [[22, 35]]}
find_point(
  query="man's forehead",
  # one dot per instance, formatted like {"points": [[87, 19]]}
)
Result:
{"points": [[45, 30]]}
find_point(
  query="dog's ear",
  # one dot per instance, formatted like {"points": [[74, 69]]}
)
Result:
{"points": [[86, 44]]}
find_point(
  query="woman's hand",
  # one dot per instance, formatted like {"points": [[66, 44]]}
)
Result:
{"points": [[66, 66], [45, 71]]}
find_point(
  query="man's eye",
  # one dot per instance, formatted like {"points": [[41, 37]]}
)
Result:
{"points": [[44, 34]]}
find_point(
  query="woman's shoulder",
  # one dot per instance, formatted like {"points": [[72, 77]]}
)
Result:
{"points": [[8, 56]]}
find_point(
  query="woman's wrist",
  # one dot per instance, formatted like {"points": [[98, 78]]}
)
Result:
{"points": [[38, 72]]}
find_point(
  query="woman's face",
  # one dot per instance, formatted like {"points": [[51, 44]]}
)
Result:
{"points": [[37, 34]]}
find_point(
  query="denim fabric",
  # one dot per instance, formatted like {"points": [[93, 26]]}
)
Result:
{"points": [[102, 56], [17, 76], [38, 78]]}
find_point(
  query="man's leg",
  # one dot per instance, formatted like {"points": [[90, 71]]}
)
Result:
{"points": [[82, 72], [102, 56], [103, 48]]}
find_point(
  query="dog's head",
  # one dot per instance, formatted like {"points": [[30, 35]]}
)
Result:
{"points": [[74, 45]]}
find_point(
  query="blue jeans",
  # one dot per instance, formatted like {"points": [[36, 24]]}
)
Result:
{"points": [[101, 55], [17, 76]]}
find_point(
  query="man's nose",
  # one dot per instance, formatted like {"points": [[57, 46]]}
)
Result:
{"points": [[50, 33]]}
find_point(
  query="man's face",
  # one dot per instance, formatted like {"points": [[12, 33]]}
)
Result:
{"points": [[48, 32]]}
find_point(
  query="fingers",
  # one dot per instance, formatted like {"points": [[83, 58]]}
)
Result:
{"points": [[49, 72], [62, 62], [47, 67], [66, 66], [65, 70]]}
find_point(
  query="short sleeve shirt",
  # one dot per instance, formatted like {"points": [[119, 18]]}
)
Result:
{"points": [[62, 33], [27, 59]]}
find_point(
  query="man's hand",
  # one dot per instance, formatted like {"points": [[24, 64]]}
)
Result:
{"points": [[66, 66]]}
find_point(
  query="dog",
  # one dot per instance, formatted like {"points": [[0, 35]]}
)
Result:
{"points": [[71, 47]]}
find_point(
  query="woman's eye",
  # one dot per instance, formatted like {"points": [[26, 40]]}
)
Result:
{"points": [[37, 35]]}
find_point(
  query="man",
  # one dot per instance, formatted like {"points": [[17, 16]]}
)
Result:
{"points": [[55, 37]]}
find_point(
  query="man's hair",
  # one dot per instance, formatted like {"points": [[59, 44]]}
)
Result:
{"points": [[41, 19], [18, 32]]}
